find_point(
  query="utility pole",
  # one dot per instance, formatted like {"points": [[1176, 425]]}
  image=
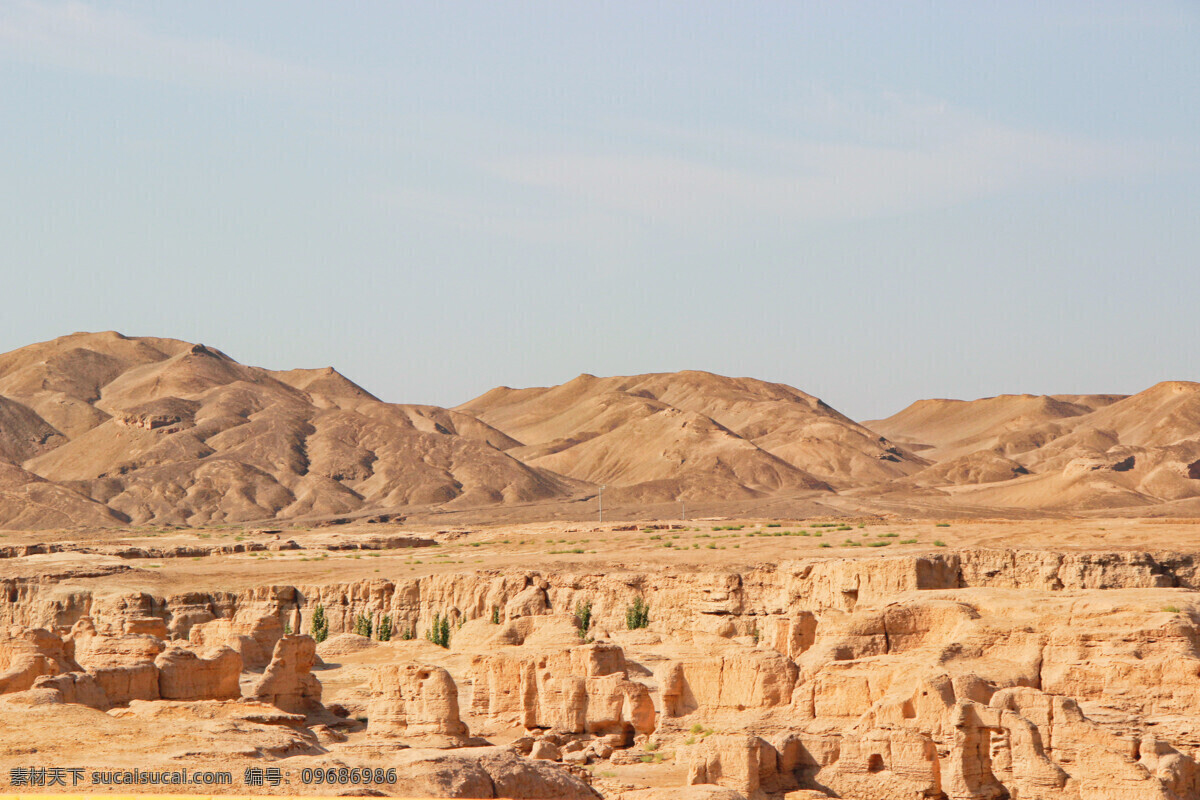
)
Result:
{"points": [[601, 497]]}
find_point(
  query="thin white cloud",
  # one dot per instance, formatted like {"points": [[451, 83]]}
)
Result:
{"points": [[83, 37], [847, 160]]}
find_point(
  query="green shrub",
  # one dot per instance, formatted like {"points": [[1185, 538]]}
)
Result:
{"points": [[939, 543], [583, 615], [1171, 609], [408, 634], [362, 625], [384, 634], [495, 615], [439, 632], [320, 625], [287, 627], [637, 615], [942, 525]]}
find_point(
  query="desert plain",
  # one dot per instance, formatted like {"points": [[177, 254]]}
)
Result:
{"points": [[211, 566]]}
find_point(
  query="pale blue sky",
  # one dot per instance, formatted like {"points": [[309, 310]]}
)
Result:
{"points": [[874, 202]]}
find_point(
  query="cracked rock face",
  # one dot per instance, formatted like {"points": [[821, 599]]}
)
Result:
{"points": [[288, 682], [413, 703], [973, 675]]}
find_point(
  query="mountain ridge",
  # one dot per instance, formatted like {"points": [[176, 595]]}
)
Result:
{"points": [[103, 429]]}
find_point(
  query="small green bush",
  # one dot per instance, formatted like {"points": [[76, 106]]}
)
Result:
{"points": [[384, 634], [583, 615], [320, 625], [362, 625], [939, 543], [439, 631], [637, 615], [495, 615]]}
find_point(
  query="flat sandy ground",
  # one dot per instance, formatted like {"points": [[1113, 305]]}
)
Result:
{"points": [[574, 546]]}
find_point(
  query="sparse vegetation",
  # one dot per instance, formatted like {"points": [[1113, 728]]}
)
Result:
{"points": [[495, 615], [384, 633], [939, 543], [362, 625], [439, 631], [583, 616], [1171, 609], [320, 625], [637, 615]]}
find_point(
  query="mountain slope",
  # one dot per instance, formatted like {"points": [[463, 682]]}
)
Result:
{"points": [[1063, 453], [633, 430], [166, 431]]}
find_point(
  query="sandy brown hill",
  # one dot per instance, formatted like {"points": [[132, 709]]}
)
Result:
{"points": [[675, 454], [27, 501], [166, 431], [1064, 453], [943, 429], [628, 431]]}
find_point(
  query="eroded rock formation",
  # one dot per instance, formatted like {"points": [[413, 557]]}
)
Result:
{"points": [[966, 676]]}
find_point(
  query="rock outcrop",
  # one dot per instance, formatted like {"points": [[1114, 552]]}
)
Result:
{"points": [[576, 690], [416, 705], [26, 655], [123, 666], [184, 674], [252, 635], [970, 675], [288, 682]]}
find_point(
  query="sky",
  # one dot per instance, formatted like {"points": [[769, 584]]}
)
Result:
{"points": [[873, 202]]}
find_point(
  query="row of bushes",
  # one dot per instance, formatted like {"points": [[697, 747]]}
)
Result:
{"points": [[637, 615]]}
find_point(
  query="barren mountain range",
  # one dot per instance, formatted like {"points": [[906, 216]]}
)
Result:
{"points": [[101, 429]]}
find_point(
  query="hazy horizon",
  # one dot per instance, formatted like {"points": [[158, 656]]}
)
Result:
{"points": [[870, 203]]}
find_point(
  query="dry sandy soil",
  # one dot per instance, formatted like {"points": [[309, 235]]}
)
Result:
{"points": [[856, 658]]}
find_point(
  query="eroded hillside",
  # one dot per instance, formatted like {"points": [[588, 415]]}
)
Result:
{"points": [[767, 664]]}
